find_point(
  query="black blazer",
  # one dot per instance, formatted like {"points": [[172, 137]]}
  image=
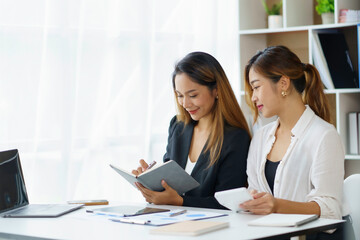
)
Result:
{"points": [[227, 173]]}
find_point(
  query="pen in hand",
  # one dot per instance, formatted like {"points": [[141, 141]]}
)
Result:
{"points": [[151, 165]]}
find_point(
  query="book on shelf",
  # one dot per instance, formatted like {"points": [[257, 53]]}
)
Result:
{"points": [[354, 132], [320, 63], [358, 47], [336, 52], [349, 15], [174, 175]]}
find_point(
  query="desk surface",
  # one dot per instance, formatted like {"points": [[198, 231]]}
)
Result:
{"points": [[82, 225]]}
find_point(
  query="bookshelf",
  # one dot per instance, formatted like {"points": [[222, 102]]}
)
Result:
{"points": [[300, 22]]}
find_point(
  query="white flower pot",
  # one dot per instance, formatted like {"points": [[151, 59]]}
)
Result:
{"points": [[275, 21], [327, 18]]}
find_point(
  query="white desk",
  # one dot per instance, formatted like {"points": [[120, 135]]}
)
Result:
{"points": [[82, 225]]}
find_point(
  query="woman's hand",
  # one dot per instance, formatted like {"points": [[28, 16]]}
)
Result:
{"points": [[263, 203], [142, 168], [167, 197]]}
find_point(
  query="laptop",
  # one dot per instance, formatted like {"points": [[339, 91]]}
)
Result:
{"points": [[14, 200]]}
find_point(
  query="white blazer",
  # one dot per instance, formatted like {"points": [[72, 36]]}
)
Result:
{"points": [[312, 168]]}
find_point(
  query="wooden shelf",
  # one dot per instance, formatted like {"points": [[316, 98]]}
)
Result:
{"points": [[297, 28], [352, 157], [344, 90]]}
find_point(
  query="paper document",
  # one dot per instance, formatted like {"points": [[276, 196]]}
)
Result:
{"points": [[158, 219], [233, 198]]}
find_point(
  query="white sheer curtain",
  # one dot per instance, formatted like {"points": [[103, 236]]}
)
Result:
{"points": [[85, 83]]}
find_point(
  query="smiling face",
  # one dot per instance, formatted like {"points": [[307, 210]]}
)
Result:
{"points": [[198, 100], [266, 94]]}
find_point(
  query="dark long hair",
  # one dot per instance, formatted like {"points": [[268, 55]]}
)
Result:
{"points": [[204, 69], [276, 61]]}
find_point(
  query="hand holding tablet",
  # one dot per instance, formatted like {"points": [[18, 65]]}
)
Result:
{"points": [[233, 198]]}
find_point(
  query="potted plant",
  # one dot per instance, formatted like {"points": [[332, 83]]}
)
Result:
{"points": [[274, 18], [325, 8]]}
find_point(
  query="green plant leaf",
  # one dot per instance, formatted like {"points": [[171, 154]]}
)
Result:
{"points": [[324, 6], [275, 9], [265, 6]]}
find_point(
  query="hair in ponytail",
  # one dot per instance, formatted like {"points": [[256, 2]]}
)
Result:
{"points": [[276, 61], [314, 95]]}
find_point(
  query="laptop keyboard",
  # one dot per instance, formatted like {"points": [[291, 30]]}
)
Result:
{"points": [[43, 209]]}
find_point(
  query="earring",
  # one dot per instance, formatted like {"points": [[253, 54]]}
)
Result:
{"points": [[217, 97], [283, 93]]}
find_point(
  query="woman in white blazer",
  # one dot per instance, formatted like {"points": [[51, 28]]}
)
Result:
{"points": [[295, 164]]}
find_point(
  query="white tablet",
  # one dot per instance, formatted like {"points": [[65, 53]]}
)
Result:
{"points": [[233, 197]]}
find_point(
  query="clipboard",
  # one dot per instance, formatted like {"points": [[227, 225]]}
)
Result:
{"points": [[164, 218]]}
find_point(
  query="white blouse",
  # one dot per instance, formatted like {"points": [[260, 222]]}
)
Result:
{"points": [[312, 168], [189, 166]]}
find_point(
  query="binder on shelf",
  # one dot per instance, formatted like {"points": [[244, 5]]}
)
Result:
{"points": [[358, 131], [337, 56], [358, 47], [354, 132], [320, 62]]}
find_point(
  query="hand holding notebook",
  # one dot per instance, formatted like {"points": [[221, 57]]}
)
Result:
{"points": [[174, 175]]}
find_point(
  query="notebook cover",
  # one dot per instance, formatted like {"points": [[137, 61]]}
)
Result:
{"points": [[174, 175]]}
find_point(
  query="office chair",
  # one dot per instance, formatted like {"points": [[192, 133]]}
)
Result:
{"points": [[352, 198]]}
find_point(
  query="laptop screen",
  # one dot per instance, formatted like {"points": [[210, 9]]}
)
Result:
{"points": [[12, 186]]}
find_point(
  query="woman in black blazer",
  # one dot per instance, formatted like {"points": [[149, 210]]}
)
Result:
{"points": [[209, 136]]}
